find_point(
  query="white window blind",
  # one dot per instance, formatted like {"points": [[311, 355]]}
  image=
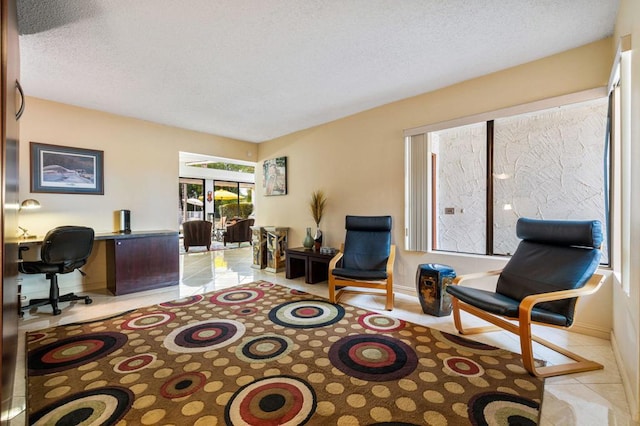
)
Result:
{"points": [[416, 193]]}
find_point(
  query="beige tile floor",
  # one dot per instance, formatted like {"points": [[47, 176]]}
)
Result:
{"points": [[593, 398]]}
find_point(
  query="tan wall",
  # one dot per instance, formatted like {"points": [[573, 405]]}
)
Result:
{"points": [[140, 166], [626, 317], [140, 173], [359, 160]]}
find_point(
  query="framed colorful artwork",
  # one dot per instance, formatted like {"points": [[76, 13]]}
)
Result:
{"points": [[275, 176]]}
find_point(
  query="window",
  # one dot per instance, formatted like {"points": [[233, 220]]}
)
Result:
{"points": [[190, 199], [483, 176], [621, 153]]}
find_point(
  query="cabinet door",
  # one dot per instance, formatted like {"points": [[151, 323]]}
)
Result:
{"points": [[138, 264]]}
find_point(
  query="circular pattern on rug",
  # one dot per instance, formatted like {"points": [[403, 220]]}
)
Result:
{"points": [[36, 337], [185, 301], [461, 366], [378, 322], [149, 320], [265, 348], [245, 311], [466, 344], [266, 284], [278, 400], [502, 408], [306, 314], [92, 407], [73, 351], [375, 358], [296, 292], [236, 296], [134, 363], [204, 336], [183, 385]]}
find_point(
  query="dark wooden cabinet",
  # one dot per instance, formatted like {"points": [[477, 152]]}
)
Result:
{"points": [[142, 262]]}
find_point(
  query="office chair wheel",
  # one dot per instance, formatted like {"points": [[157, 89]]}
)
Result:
{"points": [[88, 301], [57, 312]]}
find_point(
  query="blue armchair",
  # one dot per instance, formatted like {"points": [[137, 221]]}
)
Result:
{"points": [[365, 259], [553, 265]]}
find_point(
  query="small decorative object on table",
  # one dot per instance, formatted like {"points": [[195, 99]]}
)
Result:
{"points": [[432, 280], [308, 240], [317, 240], [328, 250], [316, 206]]}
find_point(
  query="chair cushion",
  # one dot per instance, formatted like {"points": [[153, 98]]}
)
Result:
{"points": [[357, 274], [499, 304], [551, 257], [38, 267], [585, 233], [367, 243]]}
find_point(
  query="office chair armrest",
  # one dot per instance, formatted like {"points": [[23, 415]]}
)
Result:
{"points": [[20, 250], [527, 304], [474, 276]]}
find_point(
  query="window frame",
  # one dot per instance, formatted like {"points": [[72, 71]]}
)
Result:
{"points": [[419, 215]]}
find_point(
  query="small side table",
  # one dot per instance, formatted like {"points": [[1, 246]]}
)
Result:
{"points": [[308, 262]]}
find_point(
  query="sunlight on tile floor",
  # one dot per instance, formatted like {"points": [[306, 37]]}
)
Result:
{"points": [[592, 398]]}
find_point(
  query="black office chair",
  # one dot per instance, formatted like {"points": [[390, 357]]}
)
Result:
{"points": [[64, 249]]}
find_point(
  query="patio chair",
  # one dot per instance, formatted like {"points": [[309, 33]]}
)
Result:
{"points": [[197, 233], [238, 232]]}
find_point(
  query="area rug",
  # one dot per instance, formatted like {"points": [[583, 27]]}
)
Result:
{"points": [[264, 354]]}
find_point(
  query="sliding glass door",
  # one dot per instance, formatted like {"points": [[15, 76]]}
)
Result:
{"points": [[190, 199]]}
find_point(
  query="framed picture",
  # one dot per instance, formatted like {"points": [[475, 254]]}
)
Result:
{"points": [[275, 176], [66, 170]]}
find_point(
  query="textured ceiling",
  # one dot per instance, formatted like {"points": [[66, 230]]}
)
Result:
{"points": [[258, 69]]}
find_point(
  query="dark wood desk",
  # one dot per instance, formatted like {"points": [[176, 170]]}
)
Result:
{"points": [[308, 262], [137, 261]]}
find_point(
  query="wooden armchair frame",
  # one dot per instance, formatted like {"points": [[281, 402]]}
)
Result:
{"points": [[522, 327], [385, 285]]}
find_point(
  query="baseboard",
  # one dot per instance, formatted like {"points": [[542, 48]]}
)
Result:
{"points": [[408, 291], [634, 408], [42, 292], [591, 330]]}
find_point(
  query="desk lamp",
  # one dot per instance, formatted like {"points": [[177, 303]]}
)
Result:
{"points": [[28, 204]]}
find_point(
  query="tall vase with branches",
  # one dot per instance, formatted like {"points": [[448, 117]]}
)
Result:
{"points": [[317, 205]]}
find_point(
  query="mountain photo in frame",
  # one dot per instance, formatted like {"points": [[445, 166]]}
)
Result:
{"points": [[66, 170]]}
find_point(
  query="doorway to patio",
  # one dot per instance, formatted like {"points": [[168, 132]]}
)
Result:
{"points": [[217, 190]]}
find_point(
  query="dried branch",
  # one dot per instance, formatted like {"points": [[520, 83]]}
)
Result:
{"points": [[317, 204]]}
